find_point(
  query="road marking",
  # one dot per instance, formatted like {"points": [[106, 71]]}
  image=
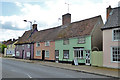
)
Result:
{"points": [[22, 72], [29, 76]]}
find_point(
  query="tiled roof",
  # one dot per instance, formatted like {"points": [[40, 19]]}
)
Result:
{"points": [[113, 19], [47, 34], [8, 42], [79, 28], [26, 37]]}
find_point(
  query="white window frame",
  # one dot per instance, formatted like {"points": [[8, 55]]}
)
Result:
{"points": [[37, 44], [47, 43], [79, 54], [112, 54], [28, 45], [47, 53], [81, 40], [17, 53], [113, 34], [37, 53], [28, 54]]}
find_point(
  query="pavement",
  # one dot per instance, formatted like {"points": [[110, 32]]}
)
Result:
{"points": [[103, 71]]}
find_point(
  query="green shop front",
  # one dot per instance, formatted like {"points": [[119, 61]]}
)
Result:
{"points": [[67, 50]]}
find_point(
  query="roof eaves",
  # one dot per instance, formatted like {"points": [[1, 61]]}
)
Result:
{"points": [[110, 28]]}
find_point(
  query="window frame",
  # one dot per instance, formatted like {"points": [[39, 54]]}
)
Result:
{"points": [[64, 41], [79, 53], [47, 43], [28, 45], [37, 52], [46, 53], [113, 34], [37, 44], [112, 54], [81, 42], [17, 52], [64, 56], [27, 54]]}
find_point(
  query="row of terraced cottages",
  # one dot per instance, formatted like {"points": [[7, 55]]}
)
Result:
{"points": [[63, 43]]}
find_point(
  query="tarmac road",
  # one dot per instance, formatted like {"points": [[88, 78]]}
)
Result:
{"points": [[18, 69]]}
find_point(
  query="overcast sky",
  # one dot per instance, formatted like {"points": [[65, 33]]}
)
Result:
{"points": [[46, 13]]}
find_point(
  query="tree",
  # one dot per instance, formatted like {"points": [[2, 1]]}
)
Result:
{"points": [[2, 46]]}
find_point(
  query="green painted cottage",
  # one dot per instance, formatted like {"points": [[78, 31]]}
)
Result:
{"points": [[78, 39]]}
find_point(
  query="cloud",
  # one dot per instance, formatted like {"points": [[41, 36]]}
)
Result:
{"points": [[6, 34], [18, 4], [12, 22], [47, 15]]}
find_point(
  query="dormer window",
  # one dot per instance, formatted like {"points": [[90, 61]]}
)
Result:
{"points": [[47, 43]]}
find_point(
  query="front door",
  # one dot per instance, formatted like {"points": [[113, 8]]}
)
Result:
{"points": [[43, 54], [56, 55], [78, 54], [87, 61], [23, 54]]}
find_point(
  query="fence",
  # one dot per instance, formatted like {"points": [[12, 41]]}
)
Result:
{"points": [[97, 58]]}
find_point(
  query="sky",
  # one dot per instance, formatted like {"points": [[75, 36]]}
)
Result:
{"points": [[46, 13]]}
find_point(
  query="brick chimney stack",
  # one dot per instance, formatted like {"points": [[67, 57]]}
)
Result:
{"points": [[13, 39], [34, 26], [108, 10], [66, 19]]}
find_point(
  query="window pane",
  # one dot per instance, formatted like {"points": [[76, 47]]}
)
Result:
{"points": [[47, 43], [116, 34], [65, 54], [46, 53], [116, 53], [81, 40], [75, 53]]}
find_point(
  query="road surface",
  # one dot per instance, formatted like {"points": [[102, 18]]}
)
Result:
{"points": [[18, 69]]}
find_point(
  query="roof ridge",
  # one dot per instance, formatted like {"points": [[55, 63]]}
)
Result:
{"points": [[49, 28], [86, 19], [72, 23], [116, 7]]}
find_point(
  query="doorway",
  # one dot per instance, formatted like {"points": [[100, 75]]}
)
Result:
{"points": [[56, 55], [87, 61], [43, 55], [23, 54]]}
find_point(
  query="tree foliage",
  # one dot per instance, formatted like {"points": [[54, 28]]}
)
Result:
{"points": [[2, 46]]}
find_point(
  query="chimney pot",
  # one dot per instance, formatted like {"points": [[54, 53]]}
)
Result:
{"points": [[66, 19]]}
